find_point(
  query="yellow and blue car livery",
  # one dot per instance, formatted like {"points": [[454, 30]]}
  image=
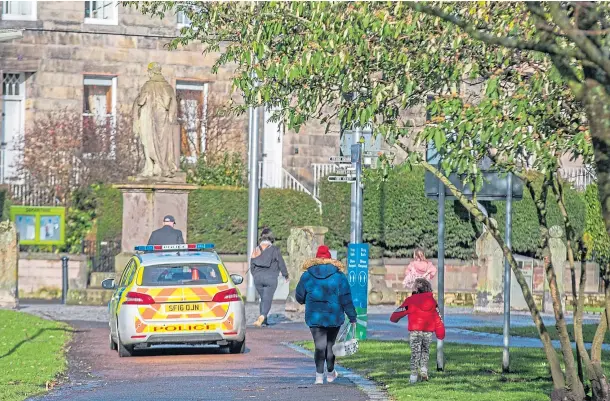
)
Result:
{"points": [[176, 294]]}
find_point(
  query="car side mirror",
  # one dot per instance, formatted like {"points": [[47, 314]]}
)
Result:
{"points": [[108, 284], [237, 279]]}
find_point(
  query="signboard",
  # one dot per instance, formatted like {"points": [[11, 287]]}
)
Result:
{"points": [[371, 143], [495, 184], [340, 159], [341, 178], [39, 225], [358, 276]]}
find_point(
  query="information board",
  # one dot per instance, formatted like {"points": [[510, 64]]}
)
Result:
{"points": [[40, 225], [358, 276]]}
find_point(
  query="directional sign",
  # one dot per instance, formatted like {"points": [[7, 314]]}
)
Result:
{"points": [[358, 276], [340, 159], [341, 178]]}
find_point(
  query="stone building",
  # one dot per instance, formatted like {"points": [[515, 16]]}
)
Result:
{"points": [[90, 57]]}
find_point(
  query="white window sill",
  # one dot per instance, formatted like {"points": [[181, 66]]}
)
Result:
{"points": [[10, 17], [98, 21], [180, 26]]}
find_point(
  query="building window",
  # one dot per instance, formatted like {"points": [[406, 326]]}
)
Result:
{"points": [[99, 114], [183, 20], [192, 116], [19, 10], [101, 12]]}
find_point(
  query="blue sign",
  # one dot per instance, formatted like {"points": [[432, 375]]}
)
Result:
{"points": [[358, 273]]}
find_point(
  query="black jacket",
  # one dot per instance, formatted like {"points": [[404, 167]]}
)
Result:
{"points": [[269, 262], [166, 235]]}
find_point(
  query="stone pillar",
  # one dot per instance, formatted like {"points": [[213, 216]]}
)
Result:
{"points": [[302, 245], [559, 255], [379, 292], [489, 298], [144, 206], [9, 256]]}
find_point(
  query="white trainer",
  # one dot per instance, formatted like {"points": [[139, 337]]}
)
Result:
{"points": [[413, 379], [319, 378], [332, 376]]}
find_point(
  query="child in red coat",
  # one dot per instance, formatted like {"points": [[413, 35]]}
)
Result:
{"points": [[424, 319]]}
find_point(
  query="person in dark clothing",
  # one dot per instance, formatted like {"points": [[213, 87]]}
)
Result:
{"points": [[166, 235], [266, 264], [325, 291]]}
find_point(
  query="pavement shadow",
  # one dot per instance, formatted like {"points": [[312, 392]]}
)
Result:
{"points": [[168, 350], [32, 338]]}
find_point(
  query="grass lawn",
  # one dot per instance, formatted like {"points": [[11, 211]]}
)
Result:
{"points": [[588, 331], [472, 373], [31, 354], [588, 309]]}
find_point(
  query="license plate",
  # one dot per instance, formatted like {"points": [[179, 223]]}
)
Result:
{"points": [[184, 308]]}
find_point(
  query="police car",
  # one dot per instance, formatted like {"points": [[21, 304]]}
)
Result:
{"points": [[176, 294]]}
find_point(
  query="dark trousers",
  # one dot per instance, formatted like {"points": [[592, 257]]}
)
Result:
{"points": [[324, 338], [265, 286]]}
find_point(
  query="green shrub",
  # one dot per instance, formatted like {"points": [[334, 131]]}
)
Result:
{"points": [[220, 216], [5, 205], [108, 212], [79, 219], [595, 238], [227, 169], [398, 217]]}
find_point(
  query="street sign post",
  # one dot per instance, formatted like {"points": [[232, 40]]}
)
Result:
{"points": [[358, 276], [341, 178]]}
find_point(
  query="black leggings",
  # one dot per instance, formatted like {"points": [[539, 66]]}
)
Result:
{"points": [[324, 338]]}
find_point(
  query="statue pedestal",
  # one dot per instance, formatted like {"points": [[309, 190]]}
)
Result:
{"points": [[490, 290], [144, 206], [9, 258]]}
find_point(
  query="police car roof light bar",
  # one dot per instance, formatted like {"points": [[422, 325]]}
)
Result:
{"points": [[176, 247]]}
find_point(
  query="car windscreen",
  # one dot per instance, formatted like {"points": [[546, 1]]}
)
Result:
{"points": [[187, 274]]}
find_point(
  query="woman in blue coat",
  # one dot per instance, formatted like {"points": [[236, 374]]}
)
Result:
{"points": [[324, 290]]}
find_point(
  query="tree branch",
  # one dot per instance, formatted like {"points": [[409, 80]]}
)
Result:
{"points": [[505, 41], [578, 37]]}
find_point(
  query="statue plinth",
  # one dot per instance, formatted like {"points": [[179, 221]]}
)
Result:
{"points": [[145, 202]]}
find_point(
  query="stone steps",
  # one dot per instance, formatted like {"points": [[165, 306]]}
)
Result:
{"points": [[90, 296]]}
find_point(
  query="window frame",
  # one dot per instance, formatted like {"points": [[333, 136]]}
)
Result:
{"points": [[204, 87], [99, 21], [12, 17], [113, 80], [181, 25]]}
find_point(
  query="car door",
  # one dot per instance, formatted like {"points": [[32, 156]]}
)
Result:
{"points": [[118, 293]]}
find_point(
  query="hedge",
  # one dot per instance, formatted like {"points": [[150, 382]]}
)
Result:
{"points": [[398, 217], [220, 215], [596, 237]]}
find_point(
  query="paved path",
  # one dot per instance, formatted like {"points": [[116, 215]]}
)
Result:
{"points": [[267, 371]]}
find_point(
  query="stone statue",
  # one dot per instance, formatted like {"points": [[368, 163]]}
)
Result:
{"points": [[154, 123], [490, 290], [559, 255], [302, 245], [9, 258]]}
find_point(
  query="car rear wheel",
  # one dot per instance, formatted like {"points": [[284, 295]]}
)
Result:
{"points": [[237, 347], [124, 350]]}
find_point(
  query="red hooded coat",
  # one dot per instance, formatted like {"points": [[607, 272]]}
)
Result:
{"points": [[422, 310]]}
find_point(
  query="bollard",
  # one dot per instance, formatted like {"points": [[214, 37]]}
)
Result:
{"points": [[64, 279]]}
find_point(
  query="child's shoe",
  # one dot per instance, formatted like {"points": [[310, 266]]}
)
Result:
{"points": [[424, 376], [413, 379], [319, 378], [332, 376]]}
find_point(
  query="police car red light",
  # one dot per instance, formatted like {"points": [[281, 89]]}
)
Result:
{"points": [[229, 295], [136, 298]]}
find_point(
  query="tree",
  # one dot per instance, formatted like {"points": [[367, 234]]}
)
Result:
{"points": [[369, 62], [62, 152]]}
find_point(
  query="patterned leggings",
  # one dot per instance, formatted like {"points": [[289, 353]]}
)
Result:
{"points": [[420, 351]]}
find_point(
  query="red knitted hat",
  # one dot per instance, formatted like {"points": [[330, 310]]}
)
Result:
{"points": [[323, 252]]}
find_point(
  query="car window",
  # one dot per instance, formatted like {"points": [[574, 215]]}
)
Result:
{"points": [[127, 274], [188, 274]]}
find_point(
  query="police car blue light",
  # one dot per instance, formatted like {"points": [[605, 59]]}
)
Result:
{"points": [[174, 247]]}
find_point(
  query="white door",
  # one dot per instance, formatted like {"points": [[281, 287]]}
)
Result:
{"points": [[13, 90], [272, 153]]}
